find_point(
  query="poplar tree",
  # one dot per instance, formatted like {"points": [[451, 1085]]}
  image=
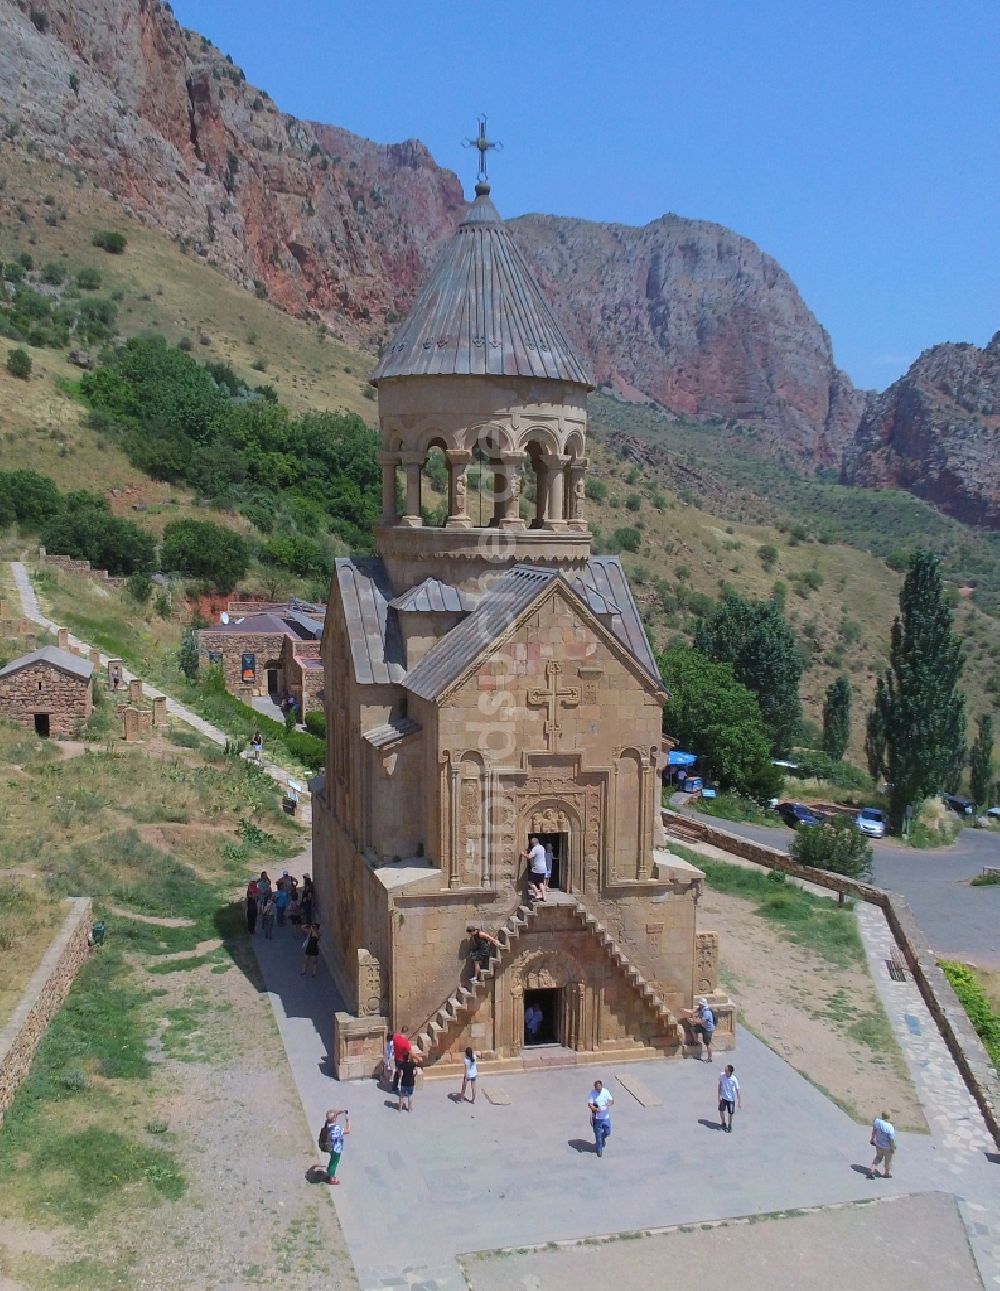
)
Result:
{"points": [[921, 707], [875, 734], [837, 718], [981, 762]]}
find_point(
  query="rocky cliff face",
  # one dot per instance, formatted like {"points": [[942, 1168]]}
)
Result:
{"points": [[323, 221], [936, 432]]}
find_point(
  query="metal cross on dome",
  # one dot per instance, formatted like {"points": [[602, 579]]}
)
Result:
{"points": [[483, 145]]}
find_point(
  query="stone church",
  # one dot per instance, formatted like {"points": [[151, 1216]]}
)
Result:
{"points": [[488, 679]]}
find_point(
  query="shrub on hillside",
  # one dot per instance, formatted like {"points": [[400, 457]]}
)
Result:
{"points": [[111, 241], [627, 539], [19, 364], [140, 586], [201, 549], [32, 497], [835, 846], [315, 723], [88, 279]]}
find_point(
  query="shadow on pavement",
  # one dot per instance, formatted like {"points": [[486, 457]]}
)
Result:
{"points": [[709, 1125], [863, 1169], [583, 1145]]}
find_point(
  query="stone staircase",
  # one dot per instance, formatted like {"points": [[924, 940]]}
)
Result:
{"points": [[463, 1002], [458, 1007], [644, 989]]}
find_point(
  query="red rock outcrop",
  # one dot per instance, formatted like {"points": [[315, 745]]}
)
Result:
{"points": [[936, 432], [324, 221]]}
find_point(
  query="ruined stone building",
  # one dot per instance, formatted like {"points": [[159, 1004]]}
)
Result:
{"points": [[488, 679]]}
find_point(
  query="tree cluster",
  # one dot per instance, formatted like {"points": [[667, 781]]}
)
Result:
{"points": [[77, 524], [755, 639], [200, 425], [711, 713]]}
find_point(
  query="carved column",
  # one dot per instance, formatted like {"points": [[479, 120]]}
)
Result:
{"points": [[577, 473], [454, 804], [555, 517], [507, 491], [412, 463], [541, 491], [647, 784], [458, 461], [388, 462]]}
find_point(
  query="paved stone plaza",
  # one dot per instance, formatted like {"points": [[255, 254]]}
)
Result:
{"points": [[424, 1188]]}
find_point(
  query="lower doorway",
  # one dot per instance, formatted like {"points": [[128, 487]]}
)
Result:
{"points": [[541, 1017], [42, 724]]}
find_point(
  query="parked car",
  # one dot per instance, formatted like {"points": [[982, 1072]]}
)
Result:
{"points": [[993, 813], [693, 784], [795, 814], [872, 821], [963, 806]]}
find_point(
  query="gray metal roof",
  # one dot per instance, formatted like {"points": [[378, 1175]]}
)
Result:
{"points": [[397, 729], [602, 586], [61, 659], [610, 583], [373, 633], [306, 624], [447, 660], [481, 313], [432, 596]]}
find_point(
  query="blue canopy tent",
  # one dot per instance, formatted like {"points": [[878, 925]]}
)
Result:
{"points": [[678, 761]]}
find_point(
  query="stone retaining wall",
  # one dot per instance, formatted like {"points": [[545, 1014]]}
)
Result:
{"points": [[966, 1048], [72, 566], [42, 998]]}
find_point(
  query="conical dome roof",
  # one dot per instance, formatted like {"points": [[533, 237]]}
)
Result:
{"points": [[481, 313]]}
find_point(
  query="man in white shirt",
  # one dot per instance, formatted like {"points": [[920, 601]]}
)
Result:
{"points": [[883, 1140], [729, 1097], [600, 1103], [538, 869]]}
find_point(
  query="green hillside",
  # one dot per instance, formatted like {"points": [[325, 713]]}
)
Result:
{"points": [[688, 506]]}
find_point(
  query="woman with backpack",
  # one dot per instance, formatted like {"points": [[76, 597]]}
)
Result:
{"points": [[310, 950], [331, 1139]]}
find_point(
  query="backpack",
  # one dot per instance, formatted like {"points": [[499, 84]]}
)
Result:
{"points": [[712, 1018], [324, 1138]]}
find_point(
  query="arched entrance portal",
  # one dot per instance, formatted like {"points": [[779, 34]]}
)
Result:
{"points": [[548, 991]]}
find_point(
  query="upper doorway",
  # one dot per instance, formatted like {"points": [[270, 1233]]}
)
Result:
{"points": [[556, 851]]}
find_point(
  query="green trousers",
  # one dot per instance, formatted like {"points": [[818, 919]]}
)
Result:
{"points": [[331, 1169]]}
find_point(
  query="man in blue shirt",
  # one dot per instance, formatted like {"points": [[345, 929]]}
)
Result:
{"points": [[883, 1140]]}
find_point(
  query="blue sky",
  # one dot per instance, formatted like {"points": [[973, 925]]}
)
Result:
{"points": [[855, 142]]}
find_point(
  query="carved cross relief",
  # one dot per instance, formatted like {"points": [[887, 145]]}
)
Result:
{"points": [[550, 699]]}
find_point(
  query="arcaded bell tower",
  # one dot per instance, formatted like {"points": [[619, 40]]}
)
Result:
{"points": [[482, 370]]}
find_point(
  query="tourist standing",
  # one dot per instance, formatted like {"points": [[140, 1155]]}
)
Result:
{"points": [[310, 950], [883, 1140], [407, 1079], [308, 898], [264, 887], [331, 1139], [537, 876], [729, 1097], [389, 1062], [267, 917], [533, 1019], [600, 1103], [471, 1073], [256, 746], [401, 1048], [701, 1022], [281, 900], [251, 902]]}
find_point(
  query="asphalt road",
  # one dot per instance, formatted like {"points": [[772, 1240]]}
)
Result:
{"points": [[960, 922]]}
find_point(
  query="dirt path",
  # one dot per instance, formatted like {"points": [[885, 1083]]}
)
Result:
{"points": [[804, 1008]]}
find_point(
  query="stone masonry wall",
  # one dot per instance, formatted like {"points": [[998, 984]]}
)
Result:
{"points": [[946, 1009], [72, 566], [43, 688], [265, 646], [42, 998]]}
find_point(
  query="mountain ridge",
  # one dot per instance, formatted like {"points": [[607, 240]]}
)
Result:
{"points": [[336, 228]]}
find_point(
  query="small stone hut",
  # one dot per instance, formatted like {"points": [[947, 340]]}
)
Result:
{"points": [[49, 691]]}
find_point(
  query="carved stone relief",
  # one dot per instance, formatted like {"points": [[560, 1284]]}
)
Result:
{"points": [[369, 985]]}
